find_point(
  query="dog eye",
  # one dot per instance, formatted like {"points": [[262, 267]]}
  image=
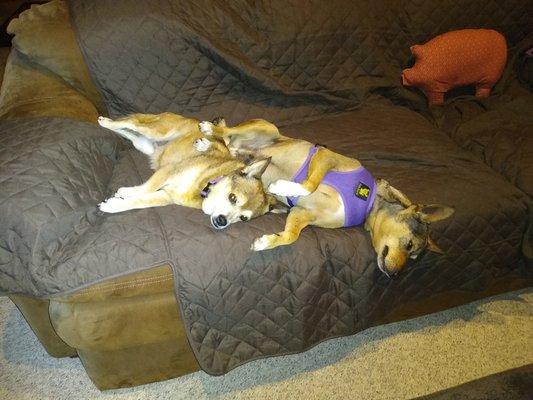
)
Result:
{"points": [[409, 246], [232, 198], [244, 218]]}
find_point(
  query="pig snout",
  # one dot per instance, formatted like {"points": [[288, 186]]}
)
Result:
{"points": [[406, 77]]}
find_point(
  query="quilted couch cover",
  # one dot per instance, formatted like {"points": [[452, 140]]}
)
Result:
{"points": [[213, 58]]}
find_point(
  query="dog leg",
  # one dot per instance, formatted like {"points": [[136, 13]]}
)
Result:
{"points": [[255, 127], [116, 205], [154, 183], [141, 143], [321, 163], [297, 220], [149, 126], [202, 145], [282, 187]]}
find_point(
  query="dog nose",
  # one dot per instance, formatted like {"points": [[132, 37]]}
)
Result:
{"points": [[385, 251], [221, 221]]}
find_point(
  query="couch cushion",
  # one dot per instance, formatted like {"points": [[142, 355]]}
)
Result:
{"points": [[237, 305], [282, 60], [497, 130], [503, 139]]}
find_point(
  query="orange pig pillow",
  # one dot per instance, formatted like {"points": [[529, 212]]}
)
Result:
{"points": [[457, 58]]}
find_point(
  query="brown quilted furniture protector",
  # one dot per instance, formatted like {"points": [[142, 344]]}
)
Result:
{"points": [[128, 330]]}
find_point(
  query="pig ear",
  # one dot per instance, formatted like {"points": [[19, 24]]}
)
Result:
{"points": [[415, 50]]}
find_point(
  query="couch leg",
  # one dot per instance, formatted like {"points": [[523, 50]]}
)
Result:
{"points": [[35, 311], [136, 366]]}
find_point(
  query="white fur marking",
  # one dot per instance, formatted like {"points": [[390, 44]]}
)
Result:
{"points": [[206, 128], [261, 243], [103, 121], [126, 192], [114, 205], [144, 145], [287, 188], [202, 144]]}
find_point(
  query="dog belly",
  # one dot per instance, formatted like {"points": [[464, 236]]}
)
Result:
{"points": [[326, 205]]}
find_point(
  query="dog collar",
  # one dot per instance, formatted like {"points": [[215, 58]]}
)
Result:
{"points": [[205, 191]]}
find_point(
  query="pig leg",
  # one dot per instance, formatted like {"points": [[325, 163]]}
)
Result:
{"points": [[435, 98], [482, 91]]}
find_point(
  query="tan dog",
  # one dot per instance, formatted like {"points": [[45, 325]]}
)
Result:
{"points": [[211, 179], [399, 228]]}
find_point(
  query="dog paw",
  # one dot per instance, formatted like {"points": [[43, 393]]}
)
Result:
{"points": [[104, 121], [125, 192], [202, 144], [113, 205], [287, 188], [219, 121], [206, 128], [263, 243]]}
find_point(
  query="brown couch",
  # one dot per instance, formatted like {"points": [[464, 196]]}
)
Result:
{"points": [[127, 330]]}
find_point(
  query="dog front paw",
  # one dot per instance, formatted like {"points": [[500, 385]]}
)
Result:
{"points": [[126, 192], [265, 242], [202, 144], [113, 205], [104, 121], [287, 188], [206, 128]]}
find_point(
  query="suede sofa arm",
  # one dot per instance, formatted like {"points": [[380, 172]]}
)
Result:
{"points": [[45, 74]]}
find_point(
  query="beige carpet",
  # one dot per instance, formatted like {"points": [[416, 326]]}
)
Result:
{"points": [[396, 361]]}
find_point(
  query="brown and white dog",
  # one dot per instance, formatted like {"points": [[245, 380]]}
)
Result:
{"points": [[211, 179], [398, 227]]}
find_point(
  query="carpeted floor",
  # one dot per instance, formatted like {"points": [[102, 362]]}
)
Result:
{"points": [[513, 384], [397, 361]]}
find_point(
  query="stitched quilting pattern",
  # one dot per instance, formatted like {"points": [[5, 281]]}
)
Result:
{"points": [[238, 305], [283, 60]]}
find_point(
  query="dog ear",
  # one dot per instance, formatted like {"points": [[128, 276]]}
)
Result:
{"points": [[256, 168], [277, 207], [434, 212], [391, 194], [432, 246]]}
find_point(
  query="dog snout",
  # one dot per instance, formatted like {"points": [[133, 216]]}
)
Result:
{"points": [[387, 266], [393, 273], [219, 222]]}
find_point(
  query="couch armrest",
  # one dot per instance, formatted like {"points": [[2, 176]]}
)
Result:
{"points": [[54, 173], [44, 35], [28, 90]]}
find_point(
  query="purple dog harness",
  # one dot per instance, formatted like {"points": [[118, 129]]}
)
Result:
{"points": [[356, 188]]}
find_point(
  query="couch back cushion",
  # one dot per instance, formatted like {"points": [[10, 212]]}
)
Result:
{"points": [[283, 60]]}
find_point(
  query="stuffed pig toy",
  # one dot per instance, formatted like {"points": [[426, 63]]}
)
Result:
{"points": [[457, 58]]}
